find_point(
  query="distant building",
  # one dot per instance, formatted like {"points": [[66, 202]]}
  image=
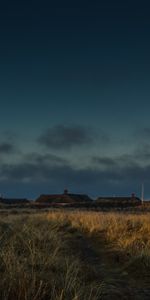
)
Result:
{"points": [[13, 201], [119, 201], [65, 198]]}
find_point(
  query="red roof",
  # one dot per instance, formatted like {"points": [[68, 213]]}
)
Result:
{"points": [[63, 198]]}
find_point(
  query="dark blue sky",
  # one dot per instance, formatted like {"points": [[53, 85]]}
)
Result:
{"points": [[75, 97]]}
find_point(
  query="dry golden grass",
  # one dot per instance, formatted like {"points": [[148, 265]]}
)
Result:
{"points": [[127, 233], [37, 262], [42, 255]]}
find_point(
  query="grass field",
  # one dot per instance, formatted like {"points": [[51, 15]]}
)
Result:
{"points": [[74, 256]]}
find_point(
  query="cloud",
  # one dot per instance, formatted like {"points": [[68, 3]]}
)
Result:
{"points": [[142, 153], [139, 156], [33, 166], [66, 137], [46, 158], [37, 176], [104, 161], [49, 172], [46, 172], [121, 170], [7, 148], [112, 163], [58, 170]]}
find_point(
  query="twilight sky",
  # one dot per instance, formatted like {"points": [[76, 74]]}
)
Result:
{"points": [[75, 97]]}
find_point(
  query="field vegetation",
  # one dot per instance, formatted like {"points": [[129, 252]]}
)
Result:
{"points": [[73, 255]]}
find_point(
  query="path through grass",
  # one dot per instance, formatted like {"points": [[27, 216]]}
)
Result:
{"points": [[74, 256]]}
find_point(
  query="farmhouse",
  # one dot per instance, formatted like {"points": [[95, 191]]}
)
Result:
{"points": [[119, 201], [65, 198]]}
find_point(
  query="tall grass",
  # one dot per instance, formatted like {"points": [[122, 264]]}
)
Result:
{"points": [[36, 261], [40, 259], [127, 233]]}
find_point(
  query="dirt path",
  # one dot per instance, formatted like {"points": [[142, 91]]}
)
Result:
{"points": [[106, 266]]}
